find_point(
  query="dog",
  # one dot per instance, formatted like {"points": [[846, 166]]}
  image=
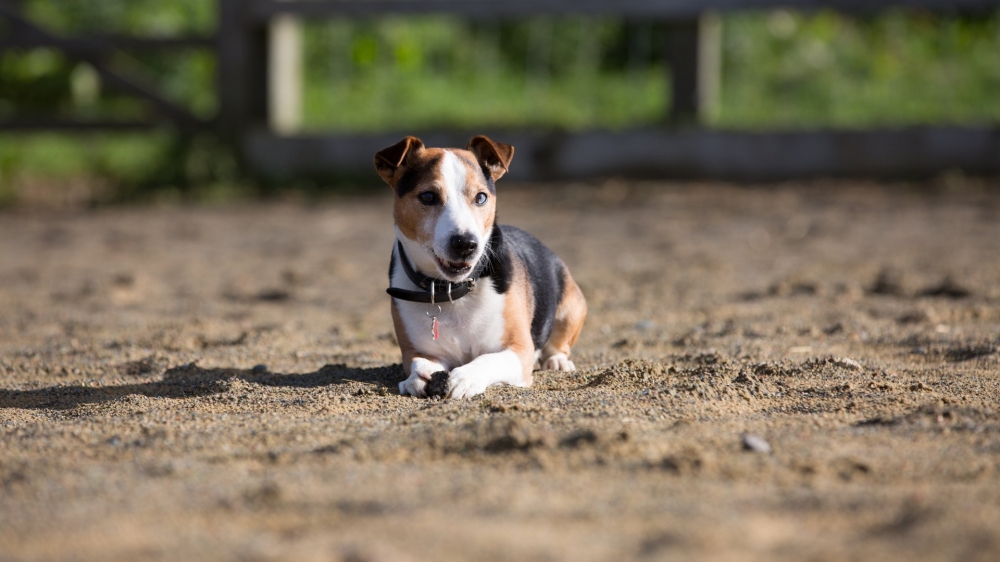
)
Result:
{"points": [[472, 301]]}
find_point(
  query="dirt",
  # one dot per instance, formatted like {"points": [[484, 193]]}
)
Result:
{"points": [[789, 372]]}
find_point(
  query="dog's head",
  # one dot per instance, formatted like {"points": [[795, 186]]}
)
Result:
{"points": [[445, 203]]}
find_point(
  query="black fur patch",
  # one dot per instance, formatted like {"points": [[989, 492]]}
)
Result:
{"points": [[489, 179], [413, 174], [498, 262], [546, 272], [438, 385]]}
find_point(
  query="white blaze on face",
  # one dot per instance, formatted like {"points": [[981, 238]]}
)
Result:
{"points": [[457, 216]]}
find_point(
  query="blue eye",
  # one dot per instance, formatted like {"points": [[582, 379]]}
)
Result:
{"points": [[481, 199], [428, 198]]}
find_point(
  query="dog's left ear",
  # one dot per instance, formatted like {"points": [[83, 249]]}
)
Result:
{"points": [[495, 156]]}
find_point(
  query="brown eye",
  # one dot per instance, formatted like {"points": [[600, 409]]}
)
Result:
{"points": [[428, 198], [481, 199]]}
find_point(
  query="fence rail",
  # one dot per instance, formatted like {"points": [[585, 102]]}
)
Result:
{"points": [[103, 43], [263, 10], [913, 152], [675, 148]]}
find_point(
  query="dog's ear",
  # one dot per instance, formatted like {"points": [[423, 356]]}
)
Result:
{"points": [[495, 156], [389, 160]]}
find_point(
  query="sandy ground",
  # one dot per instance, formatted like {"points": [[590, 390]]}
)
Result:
{"points": [[221, 384]]}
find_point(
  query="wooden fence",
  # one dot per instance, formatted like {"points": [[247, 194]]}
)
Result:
{"points": [[675, 148]]}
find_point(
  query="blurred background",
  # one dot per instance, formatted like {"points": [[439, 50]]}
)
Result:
{"points": [[77, 125]]}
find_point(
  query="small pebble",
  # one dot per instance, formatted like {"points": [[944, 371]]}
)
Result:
{"points": [[847, 363], [259, 369], [756, 444]]}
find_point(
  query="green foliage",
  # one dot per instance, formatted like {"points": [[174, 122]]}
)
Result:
{"points": [[781, 70], [435, 72], [784, 69], [33, 82], [141, 17], [41, 81]]}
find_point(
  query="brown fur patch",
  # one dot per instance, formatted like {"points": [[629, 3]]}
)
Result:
{"points": [[517, 313], [474, 185], [405, 345], [474, 181], [570, 315], [415, 220]]}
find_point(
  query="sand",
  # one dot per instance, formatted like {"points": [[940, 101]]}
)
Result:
{"points": [[784, 372]]}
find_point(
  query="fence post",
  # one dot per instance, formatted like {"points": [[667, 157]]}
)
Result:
{"points": [[709, 66], [241, 76], [682, 57], [285, 74], [18, 7], [694, 54]]}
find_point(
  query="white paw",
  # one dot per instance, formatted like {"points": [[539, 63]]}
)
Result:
{"points": [[466, 383], [558, 362], [414, 386]]}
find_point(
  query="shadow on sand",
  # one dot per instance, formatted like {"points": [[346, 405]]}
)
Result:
{"points": [[191, 381]]}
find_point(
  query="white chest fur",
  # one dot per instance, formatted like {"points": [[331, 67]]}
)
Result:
{"points": [[467, 328]]}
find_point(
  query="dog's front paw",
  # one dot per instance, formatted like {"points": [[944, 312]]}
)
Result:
{"points": [[438, 385], [414, 386], [558, 362], [466, 383]]}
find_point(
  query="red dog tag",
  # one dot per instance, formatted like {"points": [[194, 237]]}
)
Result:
{"points": [[434, 327]]}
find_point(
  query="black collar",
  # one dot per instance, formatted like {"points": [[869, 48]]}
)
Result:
{"points": [[435, 290]]}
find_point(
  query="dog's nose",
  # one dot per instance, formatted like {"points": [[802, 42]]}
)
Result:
{"points": [[463, 245]]}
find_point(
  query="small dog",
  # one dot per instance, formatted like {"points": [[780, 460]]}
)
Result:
{"points": [[474, 304]]}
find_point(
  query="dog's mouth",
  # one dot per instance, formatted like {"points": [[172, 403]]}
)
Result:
{"points": [[453, 269]]}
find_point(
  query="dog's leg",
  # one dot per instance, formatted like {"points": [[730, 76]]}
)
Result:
{"points": [[421, 370], [570, 314], [485, 371], [513, 364]]}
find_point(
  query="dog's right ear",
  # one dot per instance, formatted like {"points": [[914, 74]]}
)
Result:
{"points": [[389, 161]]}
